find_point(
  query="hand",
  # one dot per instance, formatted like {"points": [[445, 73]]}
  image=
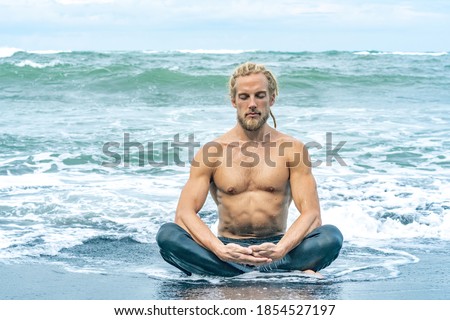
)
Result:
{"points": [[235, 253], [267, 250]]}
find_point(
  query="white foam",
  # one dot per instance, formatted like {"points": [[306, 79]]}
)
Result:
{"points": [[30, 63], [29, 180], [353, 221], [219, 51], [42, 156], [45, 52], [400, 205], [7, 237], [159, 273], [83, 270], [444, 228], [8, 52], [54, 239], [434, 54]]}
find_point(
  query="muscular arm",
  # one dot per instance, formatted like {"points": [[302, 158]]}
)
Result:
{"points": [[191, 200], [304, 193]]}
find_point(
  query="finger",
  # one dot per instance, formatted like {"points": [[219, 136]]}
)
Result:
{"points": [[258, 261], [263, 246], [239, 249], [257, 248], [243, 250], [249, 259], [255, 259], [261, 254]]}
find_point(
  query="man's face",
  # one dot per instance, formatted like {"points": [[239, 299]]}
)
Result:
{"points": [[252, 101]]}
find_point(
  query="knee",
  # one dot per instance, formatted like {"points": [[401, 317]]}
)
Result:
{"points": [[332, 237], [167, 235]]}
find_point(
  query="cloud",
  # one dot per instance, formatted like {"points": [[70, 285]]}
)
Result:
{"points": [[235, 10], [210, 21], [83, 2]]}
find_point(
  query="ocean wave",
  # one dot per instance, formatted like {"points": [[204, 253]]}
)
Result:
{"points": [[45, 52], [406, 53], [43, 243], [212, 51], [153, 80], [8, 52], [37, 65]]}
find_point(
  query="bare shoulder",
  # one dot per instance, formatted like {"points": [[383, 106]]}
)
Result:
{"points": [[205, 158], [290, 143], [294, 150], [285, 138], [226, 139], [211, 154]]}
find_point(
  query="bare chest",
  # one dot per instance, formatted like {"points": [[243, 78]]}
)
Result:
{"points": [[250, 170]]}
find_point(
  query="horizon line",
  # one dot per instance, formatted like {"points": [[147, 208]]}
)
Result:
{"points": [[10, 51]]}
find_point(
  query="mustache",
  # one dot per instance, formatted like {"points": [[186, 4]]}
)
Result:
{"points": [[253, 112]]}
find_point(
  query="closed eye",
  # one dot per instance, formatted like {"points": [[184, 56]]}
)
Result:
{"points": [[259, 95]]}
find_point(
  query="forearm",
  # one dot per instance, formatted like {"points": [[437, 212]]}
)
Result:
{"points": [[199, 231], [301, 227], [192, 223]]}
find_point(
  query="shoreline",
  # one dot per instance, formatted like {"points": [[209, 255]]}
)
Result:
{"points": [[425, 280]]}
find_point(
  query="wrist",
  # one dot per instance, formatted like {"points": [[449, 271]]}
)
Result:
{"points": [[282, 250], [218, 249]]}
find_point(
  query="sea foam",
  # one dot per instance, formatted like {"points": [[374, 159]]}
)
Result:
{"points": [[8, 52]]}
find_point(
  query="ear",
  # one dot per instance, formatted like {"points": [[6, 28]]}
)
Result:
{"points": [[233, 102], [272, 99]]}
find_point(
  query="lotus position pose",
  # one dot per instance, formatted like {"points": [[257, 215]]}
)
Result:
{"points": [[253, 173]]}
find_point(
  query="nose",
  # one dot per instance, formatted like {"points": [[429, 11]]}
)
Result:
{"points": [[252, 104]]}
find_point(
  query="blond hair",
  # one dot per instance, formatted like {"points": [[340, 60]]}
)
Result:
{"points": [[249, 68]]}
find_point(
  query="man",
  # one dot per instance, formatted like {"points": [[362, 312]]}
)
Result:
{"points": [[253, 173]]}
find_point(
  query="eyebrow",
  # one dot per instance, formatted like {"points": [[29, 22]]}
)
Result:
{"points": [[257, 92]]}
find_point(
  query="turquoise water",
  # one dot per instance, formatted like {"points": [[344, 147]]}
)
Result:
{"points": [[59, 204]]}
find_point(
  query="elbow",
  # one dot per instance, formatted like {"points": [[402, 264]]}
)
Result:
{"points": [[317, 220], [180, 218]]}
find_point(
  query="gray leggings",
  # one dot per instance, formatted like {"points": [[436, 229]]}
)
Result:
{"points": [[317, 250]]}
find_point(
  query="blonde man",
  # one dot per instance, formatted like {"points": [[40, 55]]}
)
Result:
{"points": [[253, 173]]}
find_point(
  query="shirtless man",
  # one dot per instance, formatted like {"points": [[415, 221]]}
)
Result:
{"points": [[253, 173]]}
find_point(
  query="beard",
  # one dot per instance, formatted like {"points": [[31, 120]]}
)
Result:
{"points": [[253, 124]]}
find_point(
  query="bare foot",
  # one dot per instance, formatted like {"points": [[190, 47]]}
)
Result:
{"points": [[313, 273]]}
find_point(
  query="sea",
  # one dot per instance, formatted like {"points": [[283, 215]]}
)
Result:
{"points": [[95, 148]]}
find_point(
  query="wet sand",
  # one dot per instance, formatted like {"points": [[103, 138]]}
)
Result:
{"points": [[426, 279]]}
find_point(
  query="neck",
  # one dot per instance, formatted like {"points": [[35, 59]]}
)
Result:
{"points": [[258, 135]]}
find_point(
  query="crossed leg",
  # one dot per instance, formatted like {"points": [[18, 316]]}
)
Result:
{"points": [[317, 250]]}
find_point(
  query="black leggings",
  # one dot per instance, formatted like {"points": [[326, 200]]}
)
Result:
{"points": [[317, 250]]}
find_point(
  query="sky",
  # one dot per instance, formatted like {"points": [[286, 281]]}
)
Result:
{"points": [[285, 25]]}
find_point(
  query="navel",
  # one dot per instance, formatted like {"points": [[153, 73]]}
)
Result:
{"points": [[270, 189]]}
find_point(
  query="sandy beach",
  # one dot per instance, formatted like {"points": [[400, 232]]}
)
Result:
{"points": [[425, 280]]}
